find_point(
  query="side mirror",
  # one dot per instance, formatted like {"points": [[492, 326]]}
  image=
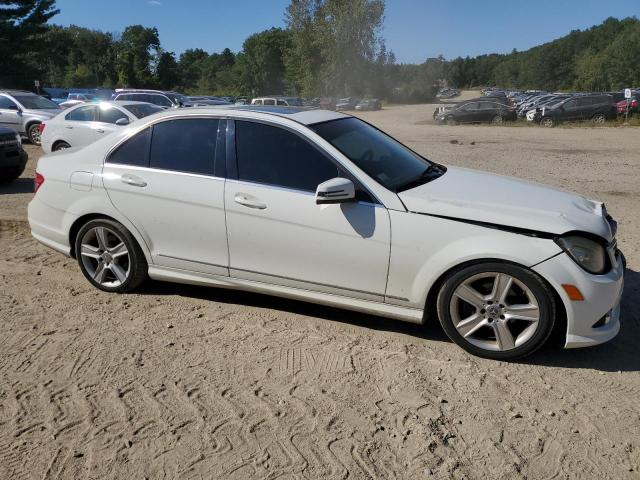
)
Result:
{"points": [[122, 121], [336, 190]]}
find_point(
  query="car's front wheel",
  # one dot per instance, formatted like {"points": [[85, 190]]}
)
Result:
{"points": [[496, 310], [109, 257], [34, 133], [451, 121], [599, 119], [547, 122]]}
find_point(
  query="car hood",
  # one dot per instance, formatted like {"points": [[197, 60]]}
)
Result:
{"points": [[481, 197]]}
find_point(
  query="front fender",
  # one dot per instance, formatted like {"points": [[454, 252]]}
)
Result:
{"points": [[423, 248]]}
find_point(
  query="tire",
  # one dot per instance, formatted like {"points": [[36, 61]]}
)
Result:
{"points": [[60, 146], [599, 119], [10, 174], [547, 122], [451, 121], [496, 325], [101, 257], [33, 132], [497, 119]]}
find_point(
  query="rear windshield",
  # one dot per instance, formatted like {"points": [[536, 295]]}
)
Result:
{"points": [[36, 102], [143, 110]]}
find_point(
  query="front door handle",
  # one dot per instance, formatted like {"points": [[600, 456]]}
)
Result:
{"points": [[133, 180], [100, 131], [69, 127], [248, 201]]}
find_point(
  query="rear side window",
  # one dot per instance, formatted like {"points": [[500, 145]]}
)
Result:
{"points": [[185, 145], [275, 156], [160, 100], [82, 114], [269, 102], [586, 102], [257, 102], [470, 106], [133, 151]]}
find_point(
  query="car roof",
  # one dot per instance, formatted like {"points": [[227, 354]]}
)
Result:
{"points": [[20, 92], [300, 115]]}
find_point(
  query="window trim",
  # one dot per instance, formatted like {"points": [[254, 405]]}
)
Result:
{"points": [[148, 166], [232, 161]]}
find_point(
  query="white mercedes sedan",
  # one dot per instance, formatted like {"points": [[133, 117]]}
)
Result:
{"points": [[323, 207], [85, 123]]}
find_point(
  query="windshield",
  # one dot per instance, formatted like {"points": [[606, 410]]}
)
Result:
{"points": [[143, 109], [178, 98], [381, 157], [36, 102]]}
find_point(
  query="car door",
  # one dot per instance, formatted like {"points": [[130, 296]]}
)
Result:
{"points": [[570, 110], [468, 113], [487, 111], [10, 116], [168, 180], [277, 234], [80, 126]]}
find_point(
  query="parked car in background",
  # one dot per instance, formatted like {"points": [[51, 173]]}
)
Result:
{"points": [[631, 104], [279, 101], [201, 101], [447, 93], [76, 98], [348, 103], [23, 112], [164, 99], [598, 108], [369, 104], [13, 158], [478, 111], [85, 123], [241, 197]]}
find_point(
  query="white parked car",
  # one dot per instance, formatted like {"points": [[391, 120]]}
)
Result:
{"points": [[85, 123], [323, 207]]}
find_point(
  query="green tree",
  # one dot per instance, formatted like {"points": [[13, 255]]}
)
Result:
{"points": [[22, 23], [138, 51], [261, 63], [167, 71]]}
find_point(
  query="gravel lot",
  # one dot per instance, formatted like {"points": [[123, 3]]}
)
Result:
{"points": [[189, 382]]}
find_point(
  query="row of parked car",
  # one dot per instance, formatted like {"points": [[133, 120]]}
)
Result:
{"points": [[544, 108]]}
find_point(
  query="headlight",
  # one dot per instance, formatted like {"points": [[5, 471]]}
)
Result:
{"points": [[19, 139], [587, 253]]}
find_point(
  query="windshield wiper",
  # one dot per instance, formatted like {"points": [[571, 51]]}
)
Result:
{"points": [[432, 172]]}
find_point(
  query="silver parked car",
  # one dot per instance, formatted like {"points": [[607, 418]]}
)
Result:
{"points": [[23, 112]]}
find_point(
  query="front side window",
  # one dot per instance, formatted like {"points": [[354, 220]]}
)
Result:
{"points": [[257, 102], [141, 110], [571, 104], [160, 100], [185, 145], [381, 157], [109, 114], [470, 107], [275, 156], [82, 114], [269, 101], [7, 104], [134, 151], [36, 102], [282, 103]]}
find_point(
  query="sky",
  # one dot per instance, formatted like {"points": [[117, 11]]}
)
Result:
{"points": [[413, 29]]}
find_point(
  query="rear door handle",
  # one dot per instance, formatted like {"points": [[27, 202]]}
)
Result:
{"points": [[133, 180], [248, 201], [69, 127]]}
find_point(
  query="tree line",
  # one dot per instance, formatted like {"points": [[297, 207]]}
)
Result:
{"points": [[328, 48]]}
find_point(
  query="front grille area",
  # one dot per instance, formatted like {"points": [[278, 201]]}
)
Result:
{"points": [[7, 137]]}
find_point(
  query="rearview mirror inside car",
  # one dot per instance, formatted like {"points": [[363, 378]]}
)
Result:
{"points": [[336, 190], [122, 121]]}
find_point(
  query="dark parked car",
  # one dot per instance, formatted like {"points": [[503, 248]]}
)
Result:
{"points": [[348, 103], [479, 111], [13, 158], [597, 108], [369, 104]]}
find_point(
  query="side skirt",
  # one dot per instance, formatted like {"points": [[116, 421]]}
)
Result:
{"points": [[412, 315]]}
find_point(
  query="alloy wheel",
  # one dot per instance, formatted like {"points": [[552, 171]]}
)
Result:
{"points": [[105, 257], [599, 119], [494, 311], [547, 122]]}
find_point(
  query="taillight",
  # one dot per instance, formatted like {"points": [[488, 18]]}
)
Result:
{"points": [[41, 128], [37, 182]]}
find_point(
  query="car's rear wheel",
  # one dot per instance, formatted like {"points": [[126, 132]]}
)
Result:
{"points": [[599, 118], [109, 256], [34, 133], [547, 122], [496, 310], [60, 146]]}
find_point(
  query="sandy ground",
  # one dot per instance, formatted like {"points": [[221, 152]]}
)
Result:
{"points": [[197, 383]]}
